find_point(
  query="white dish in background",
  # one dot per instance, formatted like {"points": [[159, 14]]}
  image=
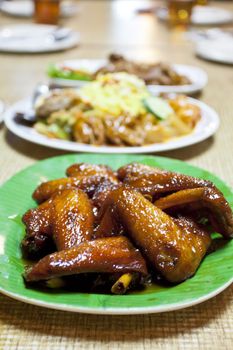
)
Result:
{"points": [[24, 8], [34, 38], [217, 51], [197, 76], [203, 15], [1, 110], [206, 127], [211, 34]]}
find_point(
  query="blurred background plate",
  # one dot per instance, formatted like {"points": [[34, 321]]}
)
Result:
{"points": [[196, 75], [35, 38], [24, 8], [217, 51], [206, 127], [221, 34], [203, 15]]}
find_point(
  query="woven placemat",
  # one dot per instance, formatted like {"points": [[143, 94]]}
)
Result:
{"points": [[205, 326]]}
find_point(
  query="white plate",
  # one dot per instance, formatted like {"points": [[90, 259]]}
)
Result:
{"points": [[206, 127], [217, 51], [1, 110], [203, 15], [211, 34], [25, 8], [33, 38], [197, 76]]}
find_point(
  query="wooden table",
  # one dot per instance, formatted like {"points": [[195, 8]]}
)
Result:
{"points": [[107, 26]]}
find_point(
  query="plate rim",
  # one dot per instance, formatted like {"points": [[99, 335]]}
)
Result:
{"points": [[68, 43], [204, 54], [177, 143], [101, 310], [117, 311]]}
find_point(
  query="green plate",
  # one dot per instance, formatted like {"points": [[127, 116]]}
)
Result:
{"points": [[213, 276]]}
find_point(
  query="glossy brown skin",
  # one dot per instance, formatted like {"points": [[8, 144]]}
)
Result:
{"points": [[164, 182], [190, 227], [189, 224], [108, 226], [86, 183], [38, 219], [174, 252], [38, 239], [67, 218], [206, 197], [102, 191], [103, 188], [107, 255], [85, 169], [72, 219], [135, 170]]}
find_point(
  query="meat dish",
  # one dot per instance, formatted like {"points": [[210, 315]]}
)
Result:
{"points": [[153, 74], [121, 229], [157, 73]]}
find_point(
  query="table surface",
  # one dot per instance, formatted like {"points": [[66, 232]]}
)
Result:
{"points": [[108, 26]]}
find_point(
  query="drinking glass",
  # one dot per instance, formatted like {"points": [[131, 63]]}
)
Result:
{"points": [[201, 2], [179, 11], [47, 11]]}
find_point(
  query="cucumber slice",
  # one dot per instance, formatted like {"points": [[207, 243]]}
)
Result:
{"points": [[57, 72], [157, 106]]}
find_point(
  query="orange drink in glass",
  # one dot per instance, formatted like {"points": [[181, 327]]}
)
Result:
{"points": [[179, 11], [47, 11]]}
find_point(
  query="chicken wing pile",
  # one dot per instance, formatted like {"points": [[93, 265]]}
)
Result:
{"points": [[122, 229]]}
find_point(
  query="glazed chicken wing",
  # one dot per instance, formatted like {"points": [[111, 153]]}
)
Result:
{"points": [[206, 197], [108, 225], [175, 252], [158, 183], [135, 170], [72, 218], [107, 255], [85, 169], [102, 191], [38, 219], [86, 183], [38, 240], [66, 219]]}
